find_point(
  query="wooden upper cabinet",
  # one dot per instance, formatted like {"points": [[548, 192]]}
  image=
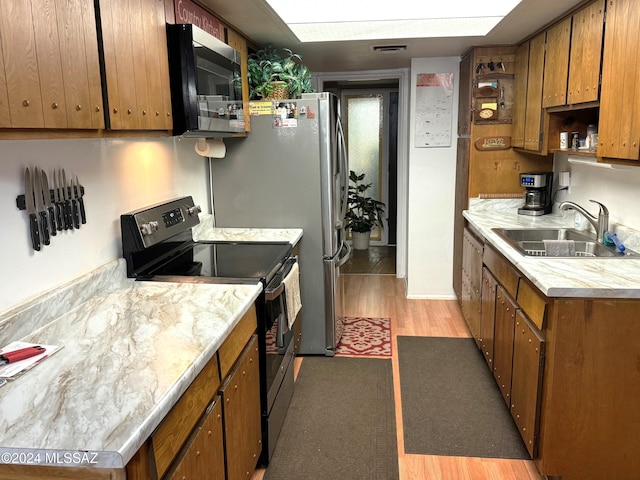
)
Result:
{"points": [[237, 41], [78, 40], [520, 95], [586, 54], [21, 64], [135, 56], [534, 125], [51, 68], [619, 128], [5, 119], [556, 66]]}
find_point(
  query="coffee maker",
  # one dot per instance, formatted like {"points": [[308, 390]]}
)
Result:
{"points": [[538, 196]]}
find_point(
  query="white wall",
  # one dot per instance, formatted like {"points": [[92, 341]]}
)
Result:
{"points": [[431, 193], [118, 176], [618, 188]]}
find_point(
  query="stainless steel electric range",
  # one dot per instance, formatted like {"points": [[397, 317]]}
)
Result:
{"points": [[158, 245]]}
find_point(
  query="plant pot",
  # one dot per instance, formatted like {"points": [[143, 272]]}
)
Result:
{"points": [[361, 240], [280, 91]]}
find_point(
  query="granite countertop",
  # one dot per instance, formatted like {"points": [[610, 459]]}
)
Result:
{"points": [[129, 352], [559, 277], [206, 231]]}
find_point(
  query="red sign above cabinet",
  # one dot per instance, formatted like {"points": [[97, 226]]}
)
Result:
{"points": [[188, 12]]}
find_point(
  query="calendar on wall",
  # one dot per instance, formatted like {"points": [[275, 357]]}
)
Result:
{"points": [[434, 105]]}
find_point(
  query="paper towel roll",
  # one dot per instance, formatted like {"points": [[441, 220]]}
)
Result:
{"points": [[210, 147]]}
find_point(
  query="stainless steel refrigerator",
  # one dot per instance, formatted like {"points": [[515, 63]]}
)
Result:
{"points": [[292, 172]]}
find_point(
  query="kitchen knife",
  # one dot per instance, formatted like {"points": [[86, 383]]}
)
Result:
{"points": [[68, 213], [58, 201], [31, 210], [46, 193], [42, 213], [79, 195], [21, 354], [74, 205]]}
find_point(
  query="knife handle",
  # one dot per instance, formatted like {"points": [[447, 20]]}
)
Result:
{"points": [[68, 214], [59, 222], [35, 231], [52, 220], [21, 354], [83, 215], [44, 222], [76, 213]]}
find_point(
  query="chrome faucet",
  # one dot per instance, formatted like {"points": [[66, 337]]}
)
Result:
{"points": [[601, 223]]}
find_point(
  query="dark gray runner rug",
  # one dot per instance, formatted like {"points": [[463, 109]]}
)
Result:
{"points": [[340, 424], [451, 404]]}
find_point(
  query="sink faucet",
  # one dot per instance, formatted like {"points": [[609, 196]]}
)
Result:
{"points": [[600, 223]]}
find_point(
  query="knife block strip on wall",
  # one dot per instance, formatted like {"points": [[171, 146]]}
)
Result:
{"points": [[20, 200]]}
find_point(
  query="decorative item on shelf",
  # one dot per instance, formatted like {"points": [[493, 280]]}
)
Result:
{"points": [[51, 210], [363, 212], [273, 76]]}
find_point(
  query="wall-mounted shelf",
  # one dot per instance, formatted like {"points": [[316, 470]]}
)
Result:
{"points": [[577, 153], [595, 163]]}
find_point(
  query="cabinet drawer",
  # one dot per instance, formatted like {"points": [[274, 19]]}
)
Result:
{"points": [[174, 430], [234, 344], [532, 303], [504, 273]]}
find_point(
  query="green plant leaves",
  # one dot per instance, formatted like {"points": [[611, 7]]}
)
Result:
{"points": [[267, 65], [364, 212]]}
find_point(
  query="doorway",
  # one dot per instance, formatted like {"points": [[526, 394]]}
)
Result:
{"points": [[393, 85], [371, 128], [370, 120]]}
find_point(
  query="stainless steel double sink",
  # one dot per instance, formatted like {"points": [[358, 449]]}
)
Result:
{"points": [[531, 242]]}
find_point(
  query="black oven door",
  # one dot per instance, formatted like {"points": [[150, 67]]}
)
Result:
{"points": [[279, 340]]}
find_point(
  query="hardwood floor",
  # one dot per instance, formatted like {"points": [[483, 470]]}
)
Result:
{"points": [[380, 260], [383, 296]]}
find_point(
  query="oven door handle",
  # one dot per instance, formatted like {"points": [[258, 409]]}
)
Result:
{"points": [[274, 291]]}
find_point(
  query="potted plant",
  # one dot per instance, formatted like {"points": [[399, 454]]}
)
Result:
{"points": [[363, 212], [275, 76]]}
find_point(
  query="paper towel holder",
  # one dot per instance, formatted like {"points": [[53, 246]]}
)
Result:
{"points": [[210, 147]]}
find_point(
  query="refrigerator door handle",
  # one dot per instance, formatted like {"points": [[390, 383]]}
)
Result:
{"points": [[344, 167], [347, 256]]}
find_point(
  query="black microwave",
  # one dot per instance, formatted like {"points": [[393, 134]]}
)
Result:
{"points": [[206, 91]]}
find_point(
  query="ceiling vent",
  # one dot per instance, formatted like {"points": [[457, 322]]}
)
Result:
{"points": [[389, 48]]}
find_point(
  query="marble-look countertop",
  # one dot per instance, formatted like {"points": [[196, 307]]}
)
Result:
{"points": [[129, 352], [559, 277], [206, 231]]}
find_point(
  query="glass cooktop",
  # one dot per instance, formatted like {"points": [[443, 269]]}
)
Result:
{"points": [[226, 260]]}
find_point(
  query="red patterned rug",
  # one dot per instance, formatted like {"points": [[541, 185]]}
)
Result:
{"points": [[366, 336]]}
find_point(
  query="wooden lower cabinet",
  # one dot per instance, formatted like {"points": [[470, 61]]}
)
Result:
{"points": [[488, 315], [526, 380], [569, 371], [472, 283], [242, 429], [503, 342], [203, 457]]}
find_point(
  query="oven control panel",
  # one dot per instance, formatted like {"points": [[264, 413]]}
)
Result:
{"points": [[151, 225], [173, 217]]}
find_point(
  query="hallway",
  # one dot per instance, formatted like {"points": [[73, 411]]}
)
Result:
{"points": [[378, 260]]}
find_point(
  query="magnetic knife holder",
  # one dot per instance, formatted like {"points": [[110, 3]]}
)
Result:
{"points": [[20, 199]]}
